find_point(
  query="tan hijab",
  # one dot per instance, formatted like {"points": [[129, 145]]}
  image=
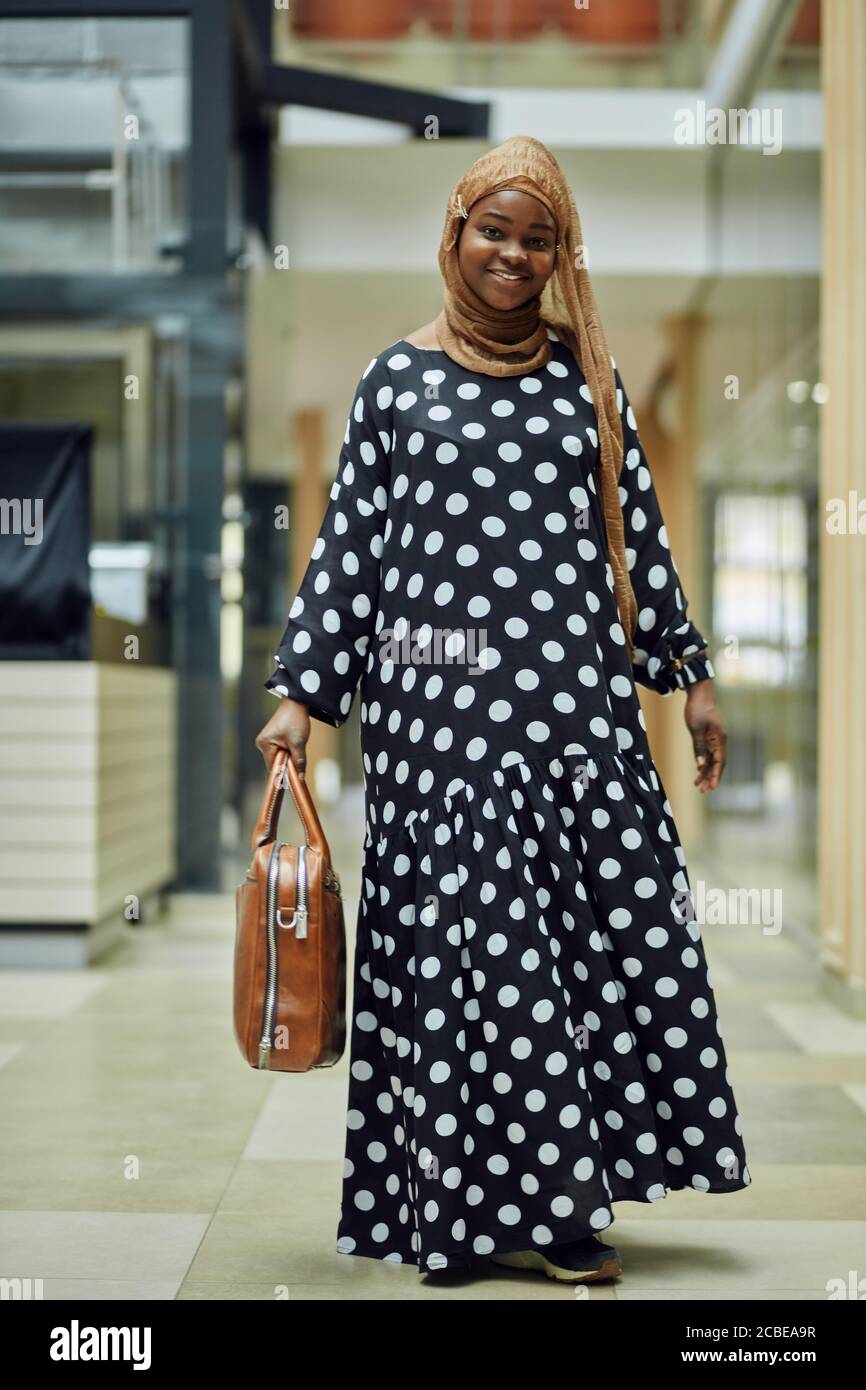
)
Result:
{"points": [[509, 342]]}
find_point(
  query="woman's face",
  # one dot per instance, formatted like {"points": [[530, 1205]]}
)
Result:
{"points": [[507, 248]]}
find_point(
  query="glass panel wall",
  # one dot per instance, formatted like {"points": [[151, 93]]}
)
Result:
{"points": [[94, 144], [761, 523]]}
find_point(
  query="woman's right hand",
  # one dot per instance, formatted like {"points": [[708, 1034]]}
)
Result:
{"points": [[709, 735], [289, 728]]}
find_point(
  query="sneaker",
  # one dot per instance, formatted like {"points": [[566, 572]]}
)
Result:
{"points": [[585, 1260]]}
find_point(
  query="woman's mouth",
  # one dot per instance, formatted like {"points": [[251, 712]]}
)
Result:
{"points": [[507, 275]]}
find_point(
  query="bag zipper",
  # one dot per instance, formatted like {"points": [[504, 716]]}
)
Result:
{"points": [[265, 1042], [298, 921], [299, 916]]}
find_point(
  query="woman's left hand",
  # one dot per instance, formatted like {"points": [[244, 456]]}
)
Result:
{"points": [[709, 735]]}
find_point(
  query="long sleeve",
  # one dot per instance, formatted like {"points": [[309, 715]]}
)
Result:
{"points": [[664, 630], [323, 651]]}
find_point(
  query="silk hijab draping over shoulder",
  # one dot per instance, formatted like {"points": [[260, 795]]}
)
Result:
{"points": [[508, 342]]}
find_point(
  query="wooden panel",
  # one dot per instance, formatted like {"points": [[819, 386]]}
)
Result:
{"points": [[27, 794], [842, 665], [87, 789]]}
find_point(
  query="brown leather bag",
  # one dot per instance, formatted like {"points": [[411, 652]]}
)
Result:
{"points": [[290, 940]]}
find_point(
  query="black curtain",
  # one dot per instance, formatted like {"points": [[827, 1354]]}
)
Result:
{"points": [[44, 541]]}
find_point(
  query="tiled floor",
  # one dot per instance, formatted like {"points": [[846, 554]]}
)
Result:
{"points": [[141, 1158]]}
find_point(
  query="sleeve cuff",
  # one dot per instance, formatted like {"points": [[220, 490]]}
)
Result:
{"points": [[699, 668], [662, 673], [283, 685]]}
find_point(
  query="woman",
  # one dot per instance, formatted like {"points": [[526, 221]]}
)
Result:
{"points": [[534, 1034]]}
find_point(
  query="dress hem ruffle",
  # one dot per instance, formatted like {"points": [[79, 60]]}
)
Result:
{"points": [[641, 763], [522, 1238]]}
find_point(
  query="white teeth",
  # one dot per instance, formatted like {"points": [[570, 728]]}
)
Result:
{"points": [[504, 276]]}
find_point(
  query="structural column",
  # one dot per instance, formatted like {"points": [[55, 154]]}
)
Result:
{"points": [[842, 626]]}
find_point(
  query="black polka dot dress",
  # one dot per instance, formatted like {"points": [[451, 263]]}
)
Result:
{"points": [[534, 1035]]}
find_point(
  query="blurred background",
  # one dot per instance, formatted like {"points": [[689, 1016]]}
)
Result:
{"points": [[213, 215]]}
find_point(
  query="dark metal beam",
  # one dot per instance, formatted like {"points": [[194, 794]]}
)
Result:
{"points": [[256, 124], [251, 41], [283, 85], [100, 9], [196, 625], [86, 296], [210, 46]]}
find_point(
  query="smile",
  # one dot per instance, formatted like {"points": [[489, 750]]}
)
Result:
{"points": [[507, 275]]}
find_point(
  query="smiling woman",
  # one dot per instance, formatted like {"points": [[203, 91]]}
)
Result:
{"points": [[506, 254], [534, 1034], [508, 237]]}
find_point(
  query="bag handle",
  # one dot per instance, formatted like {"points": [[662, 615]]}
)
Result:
{"points": [[283, 771]]}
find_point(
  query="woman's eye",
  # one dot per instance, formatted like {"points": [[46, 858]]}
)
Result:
{"points": [[541, 243]]}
